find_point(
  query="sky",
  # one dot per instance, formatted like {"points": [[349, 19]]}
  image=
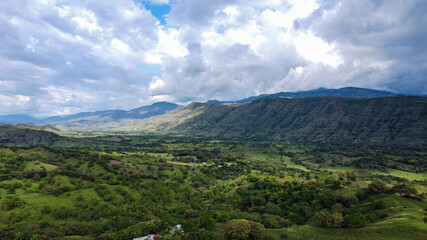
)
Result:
{"points": [[61, 57]]}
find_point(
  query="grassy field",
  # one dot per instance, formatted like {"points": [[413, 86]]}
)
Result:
{"points": [[403, 174], [404, 223]]}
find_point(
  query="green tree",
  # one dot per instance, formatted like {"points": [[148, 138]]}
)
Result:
{"points": [[325, 219], [206, 220], [404, 190], [377, 187], [241, 229]]}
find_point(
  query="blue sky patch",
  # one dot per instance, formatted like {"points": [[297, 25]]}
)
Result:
{"points": [[158, 10], [151, 68]]}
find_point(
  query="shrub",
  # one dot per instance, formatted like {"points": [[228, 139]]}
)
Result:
{"points": [[374, 216], [325, 219], [10, 203], [377, 187], [271, 223], [243, 229], [355, 220], [223, 217], [404, 190]]}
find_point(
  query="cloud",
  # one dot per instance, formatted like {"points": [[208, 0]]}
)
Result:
{"points": [[74, 50], [388, 36], [60, 57]]}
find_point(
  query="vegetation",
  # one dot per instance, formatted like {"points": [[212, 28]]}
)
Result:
{"points": [[121, 187]]}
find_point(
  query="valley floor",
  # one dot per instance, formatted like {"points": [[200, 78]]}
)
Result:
{"points": [[122, 187]]}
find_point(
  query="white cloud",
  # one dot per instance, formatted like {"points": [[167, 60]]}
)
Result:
{"points": [[316, 50], [156, 83], [74, 56], [159, 1], [169, 44], [86, 20]]}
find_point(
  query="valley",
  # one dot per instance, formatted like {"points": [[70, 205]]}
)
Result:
{"points": [[269, 167], [123, 187]]}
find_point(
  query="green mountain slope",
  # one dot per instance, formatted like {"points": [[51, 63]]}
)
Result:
{"points": [[391, 121]]}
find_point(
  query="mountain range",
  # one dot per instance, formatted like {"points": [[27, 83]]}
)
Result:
{"points": [[362, 117], [351, 92], [92, 117], [390, 121], [163, 107]]}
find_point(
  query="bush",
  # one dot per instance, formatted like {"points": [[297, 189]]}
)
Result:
{"points": [[271, 223], [10, 203], [325, 219], [385, 203], [377, 187], [404, 190], [244, 229], [355, 220], [374, 216], [223, 217]]}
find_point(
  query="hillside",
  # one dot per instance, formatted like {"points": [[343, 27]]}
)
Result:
{"points": [[391, 121], [23, 135]]}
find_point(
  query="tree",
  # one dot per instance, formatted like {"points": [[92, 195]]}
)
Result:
{"points": [[206, 220], [377, 187], [239, 229], [404, 190], [242, 229], [325, 219]]}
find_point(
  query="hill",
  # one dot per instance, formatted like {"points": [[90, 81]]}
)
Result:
{"points": [[391, 121], [23, 135]]}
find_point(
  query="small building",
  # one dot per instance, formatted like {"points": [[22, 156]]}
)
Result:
{"points": [[148, 237]]}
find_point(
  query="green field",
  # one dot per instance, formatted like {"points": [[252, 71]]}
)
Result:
{"points": [[126, 187]]}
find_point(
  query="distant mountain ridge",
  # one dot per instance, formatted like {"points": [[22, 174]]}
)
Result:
{"points": [[137, 113], [114, 115], [350, 92], [108, 119], [111, 119], [18, 118]]}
